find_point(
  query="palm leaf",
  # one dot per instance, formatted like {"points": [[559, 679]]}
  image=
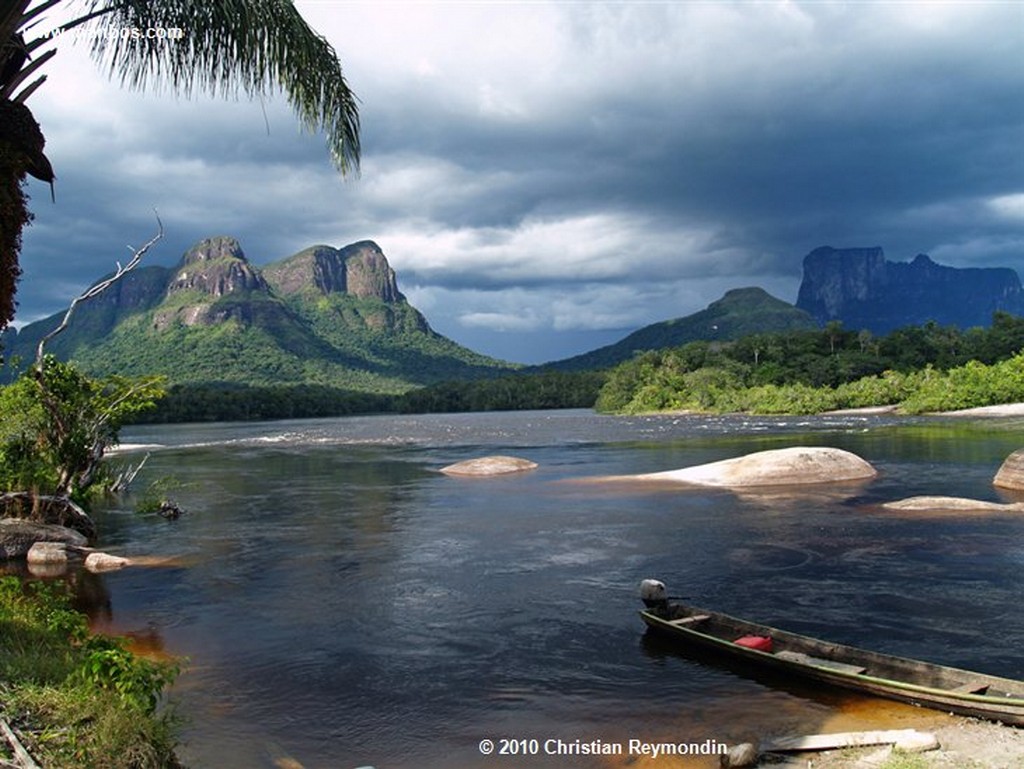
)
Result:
{"points": [[228, 47]]}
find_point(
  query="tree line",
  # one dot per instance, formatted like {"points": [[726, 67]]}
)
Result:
{"points": [[922, 368], [232, 402], [792, 371]]}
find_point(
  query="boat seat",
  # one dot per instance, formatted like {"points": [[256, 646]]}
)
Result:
{"points": [[821, 662], [689, 620], [971, 687]]}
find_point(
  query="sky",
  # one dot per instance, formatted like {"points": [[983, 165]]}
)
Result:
{"points": [[546, 177]]}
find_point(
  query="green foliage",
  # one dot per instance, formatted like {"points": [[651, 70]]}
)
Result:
{"points": [[39, 629], [55, 425], [157, 494], [920, 369], [89, 700], [542, 390], [107, 664], [259, 340], [220, 402], [900, 760], [794, 398], [969, 386], [886, 389]]}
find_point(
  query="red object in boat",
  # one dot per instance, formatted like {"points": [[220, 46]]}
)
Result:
{"points": [[759, 642]]}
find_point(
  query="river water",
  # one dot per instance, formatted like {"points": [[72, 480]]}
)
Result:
{"points": [[342, 603]]}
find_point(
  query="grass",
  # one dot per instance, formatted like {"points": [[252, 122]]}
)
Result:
{"points": [[900, 760], [75, 699]]}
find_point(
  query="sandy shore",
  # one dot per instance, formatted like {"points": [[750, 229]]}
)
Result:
{"points": [[1005, 410], [965, 743]]}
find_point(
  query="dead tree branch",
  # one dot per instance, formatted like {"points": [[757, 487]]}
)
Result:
{"points": [[22, 756], [126, 476], [99, 288]]}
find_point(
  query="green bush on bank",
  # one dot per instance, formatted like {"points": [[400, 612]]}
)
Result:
{"points": [[56, 424], [969, 386], [720, 390], [78, 699], [917, 368]]}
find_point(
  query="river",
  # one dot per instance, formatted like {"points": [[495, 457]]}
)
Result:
{"points": [[342, 603]]}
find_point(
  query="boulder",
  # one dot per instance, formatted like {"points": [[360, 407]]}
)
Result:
{"points": [[494, 465], [1011, 473], [47, 553], [18, 535], [777, 467], [46, 509], [953, 503], [100, 562]]}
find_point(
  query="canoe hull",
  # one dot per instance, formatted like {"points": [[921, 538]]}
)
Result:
{"points": [[920, 683]]}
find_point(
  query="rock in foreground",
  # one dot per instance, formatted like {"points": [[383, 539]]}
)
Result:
{"points": [[18, 535], [494, 465], [100, 562], [777, 467]]}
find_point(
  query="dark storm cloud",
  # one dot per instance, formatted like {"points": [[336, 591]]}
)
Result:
{"points": [[553, 168]]}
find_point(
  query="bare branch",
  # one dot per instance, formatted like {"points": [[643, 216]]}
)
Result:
{"points": [[23, 757], [98, 289], [125, 477]]}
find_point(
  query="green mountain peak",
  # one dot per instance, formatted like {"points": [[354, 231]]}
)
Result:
{"points": [[322, 316], [741, 311]]}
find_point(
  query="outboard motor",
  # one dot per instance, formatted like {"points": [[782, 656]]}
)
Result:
{"points": [[654, 596]]}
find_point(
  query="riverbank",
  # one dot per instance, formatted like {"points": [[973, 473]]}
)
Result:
{"points": [[70, 698], [964, 743], [1004, 410]]}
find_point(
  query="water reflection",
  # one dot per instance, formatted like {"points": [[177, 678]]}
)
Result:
{"points": [[343, 603]]}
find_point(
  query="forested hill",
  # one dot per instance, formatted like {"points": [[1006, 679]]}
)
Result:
{"points": [[920, 368], [740, 312], [324, 316]]}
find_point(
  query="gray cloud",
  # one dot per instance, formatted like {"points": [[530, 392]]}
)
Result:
{"points": [[571, 171]]}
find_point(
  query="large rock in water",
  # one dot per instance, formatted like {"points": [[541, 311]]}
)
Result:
{"points": [[1011, 472], [18, 535], [777, 467], [955, 504], [494, 465]]}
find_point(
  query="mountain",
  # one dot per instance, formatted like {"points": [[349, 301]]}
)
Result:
{"points": [[739, 312], [323, 316], [859, 287]]}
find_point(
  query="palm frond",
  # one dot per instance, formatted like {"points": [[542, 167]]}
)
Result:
{"points": [[229, 47]]}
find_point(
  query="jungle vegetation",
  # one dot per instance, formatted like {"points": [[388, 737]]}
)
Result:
{"points": [[918, 368]]}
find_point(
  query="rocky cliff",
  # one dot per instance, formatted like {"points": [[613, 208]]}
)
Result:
{"points": [[863, 290], [209, 271], [360, 269], [324, 280], [324, 315]]}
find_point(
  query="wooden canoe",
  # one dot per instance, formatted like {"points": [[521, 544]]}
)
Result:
{"points": [[921, 683]]}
